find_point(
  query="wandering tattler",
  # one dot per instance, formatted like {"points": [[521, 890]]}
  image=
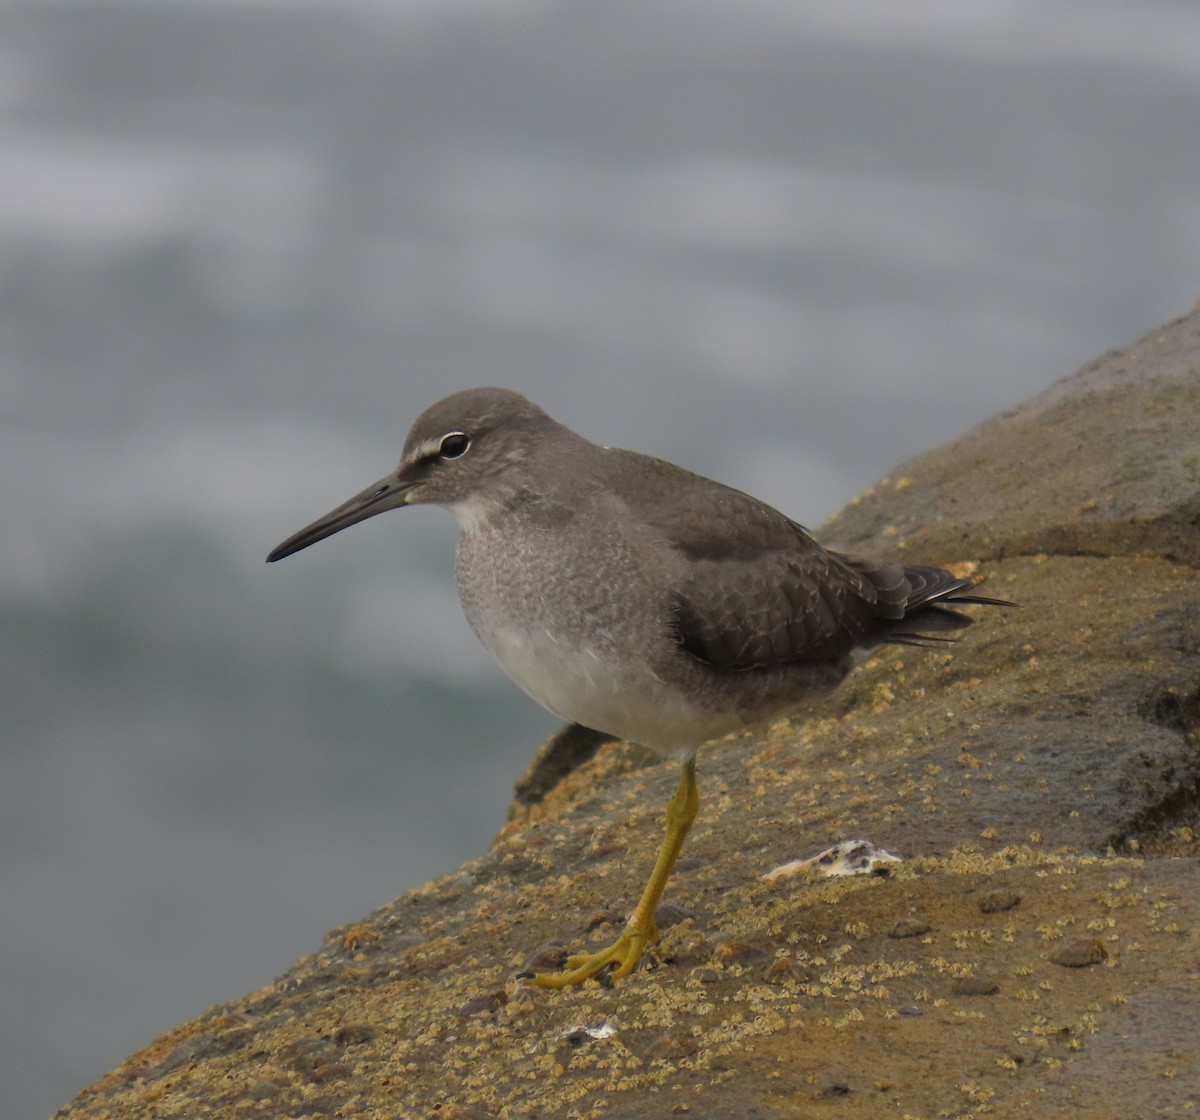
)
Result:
{"points": [[633, 597]]}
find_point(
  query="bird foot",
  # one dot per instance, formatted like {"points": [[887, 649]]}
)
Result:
{"points": [[624, 953]]}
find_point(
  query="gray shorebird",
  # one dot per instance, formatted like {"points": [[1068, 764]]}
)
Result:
{"points": [[636, 598]]}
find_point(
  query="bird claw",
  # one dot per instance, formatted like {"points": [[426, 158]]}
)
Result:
{"points": [[624, 954]]}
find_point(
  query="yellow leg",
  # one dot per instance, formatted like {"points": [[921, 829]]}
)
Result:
{"points": [[640, 930]]}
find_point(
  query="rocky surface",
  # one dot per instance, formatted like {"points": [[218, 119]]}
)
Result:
{"points": [[1038, 949]]}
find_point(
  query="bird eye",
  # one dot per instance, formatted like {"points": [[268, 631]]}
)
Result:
{"points": [[454, 445]]}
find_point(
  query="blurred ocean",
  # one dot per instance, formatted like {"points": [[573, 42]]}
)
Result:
{"points": [[243, 244]]}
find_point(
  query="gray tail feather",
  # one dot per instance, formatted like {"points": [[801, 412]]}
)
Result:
{"points": [[929, 609]]}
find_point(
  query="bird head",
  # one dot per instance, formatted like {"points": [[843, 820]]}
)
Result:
{"points": [[468, 453]]}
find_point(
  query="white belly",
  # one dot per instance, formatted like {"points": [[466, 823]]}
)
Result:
{"points": [[581, 686]]}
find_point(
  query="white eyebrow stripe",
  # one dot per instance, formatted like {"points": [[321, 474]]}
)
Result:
{"points": [[425, 449]]}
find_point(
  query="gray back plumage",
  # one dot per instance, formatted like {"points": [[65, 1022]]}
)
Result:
{"points": [[760, 593]]}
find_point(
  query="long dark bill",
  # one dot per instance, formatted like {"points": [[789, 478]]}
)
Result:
{"points": [[388, 493]]}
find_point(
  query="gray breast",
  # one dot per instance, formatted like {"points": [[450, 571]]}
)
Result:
{"points": [[569, 613]]}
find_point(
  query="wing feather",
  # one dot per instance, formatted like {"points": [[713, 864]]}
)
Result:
{"points": [[757, 592]]}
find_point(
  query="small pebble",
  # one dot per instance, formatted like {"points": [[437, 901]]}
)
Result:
{"points": [[909, 927], [974, 986], [548, 958], [910, 1011], [1081, 953], [999, 900], [668, 915]]}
